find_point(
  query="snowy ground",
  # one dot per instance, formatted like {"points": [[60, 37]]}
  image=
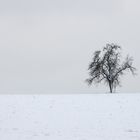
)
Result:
{"points": [[70, 117]]}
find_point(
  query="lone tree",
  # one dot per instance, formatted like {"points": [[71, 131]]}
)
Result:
{"points": [[106, 66]]}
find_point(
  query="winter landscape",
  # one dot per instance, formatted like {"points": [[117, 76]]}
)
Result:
{"points": [[51, 51], [70, 117]]}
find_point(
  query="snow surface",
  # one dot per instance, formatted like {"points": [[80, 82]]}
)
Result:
{"points": [[70, 117]]}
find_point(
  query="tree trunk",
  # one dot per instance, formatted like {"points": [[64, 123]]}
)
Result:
{"points": [[110, 87]]}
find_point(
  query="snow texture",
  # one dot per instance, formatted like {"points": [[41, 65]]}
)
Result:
{"points": [[70, 117]]}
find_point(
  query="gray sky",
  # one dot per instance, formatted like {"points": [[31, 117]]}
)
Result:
{"points": [[46, 45]]}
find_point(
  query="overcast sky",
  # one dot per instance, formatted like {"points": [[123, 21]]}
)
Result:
{"points": [[46, 45]]}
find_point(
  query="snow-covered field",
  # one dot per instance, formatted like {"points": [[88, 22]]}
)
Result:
{"points": [[70, 117]]}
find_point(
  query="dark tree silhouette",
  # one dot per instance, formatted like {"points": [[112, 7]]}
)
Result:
{"points": [[106, 66]]}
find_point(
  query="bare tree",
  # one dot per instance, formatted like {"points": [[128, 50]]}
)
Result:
{"points": [[106, 66]]}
